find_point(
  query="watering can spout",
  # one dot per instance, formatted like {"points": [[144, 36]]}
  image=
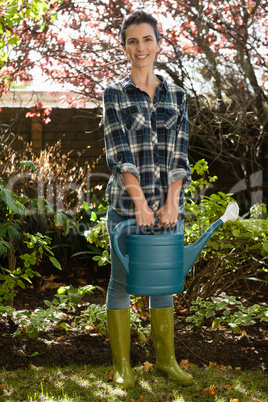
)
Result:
{"points": [[192, 251]]}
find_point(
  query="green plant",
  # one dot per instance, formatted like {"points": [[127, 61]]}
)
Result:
{"points": [[4, 247], [65, 312], [66, 300], [12, 208], [94, 318], [21, 213], [205, 310], [40, 246], [39, 320], [236, 251], [58, 212], [75, 295], [98, 239]]}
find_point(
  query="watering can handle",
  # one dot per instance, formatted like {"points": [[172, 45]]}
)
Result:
{"points": [[115, 243]]}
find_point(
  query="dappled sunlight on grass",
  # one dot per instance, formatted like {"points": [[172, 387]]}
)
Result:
{"points": [[86, 383]]}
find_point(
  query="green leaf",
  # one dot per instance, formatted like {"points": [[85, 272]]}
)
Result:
{"points": [[21, 284], [74, 297], [61, 291], [233, 326], [209, 314], [29, 165], [226, 313], [265, 246], [55, 262], [4, 246], [93, 216], [58, 219], [216, 323], [13, 233], [65, 326], [257, 279], [194, 308], [236, 233]]}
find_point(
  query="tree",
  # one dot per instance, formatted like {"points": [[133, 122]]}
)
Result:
{"points": [[215, 49], [15, 15]]}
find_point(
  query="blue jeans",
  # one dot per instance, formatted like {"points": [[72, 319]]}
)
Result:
{"points": [[117, 298]]}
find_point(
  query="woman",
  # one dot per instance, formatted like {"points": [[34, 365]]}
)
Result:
{"points": [[146, 141]]}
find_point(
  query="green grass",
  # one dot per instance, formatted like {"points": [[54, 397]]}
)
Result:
{"points": [[86, 383]]}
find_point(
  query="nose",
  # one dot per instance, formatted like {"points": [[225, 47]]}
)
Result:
{"points": [[140, 46]]}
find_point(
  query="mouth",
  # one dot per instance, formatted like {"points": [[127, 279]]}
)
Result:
{"points": [[142, 57]]}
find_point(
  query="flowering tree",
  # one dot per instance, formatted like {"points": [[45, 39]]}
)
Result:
{"points": [[15, 17], [215, 49]]}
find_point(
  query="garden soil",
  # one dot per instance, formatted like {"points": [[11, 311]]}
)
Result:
{"points": [[199, 346]]}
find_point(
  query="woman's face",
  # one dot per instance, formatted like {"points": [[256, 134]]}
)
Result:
{"points": [[141, 45]]}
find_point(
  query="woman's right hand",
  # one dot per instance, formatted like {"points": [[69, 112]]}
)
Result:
{"points": [[144, 215]]}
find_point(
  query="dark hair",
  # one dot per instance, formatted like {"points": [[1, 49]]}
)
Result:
{"points": [[137, 18]]}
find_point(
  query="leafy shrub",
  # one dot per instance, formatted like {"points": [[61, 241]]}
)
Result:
{"points": [[205, 310], [73, 296], [66, 313], [39, 245], [52, 186], [98, 237], [236, 251]]}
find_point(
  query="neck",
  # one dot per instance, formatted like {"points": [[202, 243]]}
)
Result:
{"points": [[143, 78]]}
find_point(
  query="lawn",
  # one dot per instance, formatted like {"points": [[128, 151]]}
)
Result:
{"points": [[88, 383]]}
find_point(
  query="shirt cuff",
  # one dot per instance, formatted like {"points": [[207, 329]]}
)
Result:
{"points": [[177, 174], [126, 167]]}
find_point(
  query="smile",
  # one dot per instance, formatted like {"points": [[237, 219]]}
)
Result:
{"points": [[142, 57]]}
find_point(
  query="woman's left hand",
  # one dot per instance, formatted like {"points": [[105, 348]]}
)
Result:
{"points": [[167, 216]]}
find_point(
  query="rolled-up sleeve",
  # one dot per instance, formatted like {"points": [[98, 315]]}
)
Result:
{"points": [[180, 167], [118, 155]]}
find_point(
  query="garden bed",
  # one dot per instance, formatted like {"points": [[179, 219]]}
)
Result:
{"points": [[200, 346]]}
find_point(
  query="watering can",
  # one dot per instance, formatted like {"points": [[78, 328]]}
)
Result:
{"points": [[157, 264]]}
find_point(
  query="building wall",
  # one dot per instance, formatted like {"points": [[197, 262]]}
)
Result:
{"points": [[79, 131]]}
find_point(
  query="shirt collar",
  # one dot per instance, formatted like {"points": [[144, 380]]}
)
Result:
{"points": [[127, 82]]}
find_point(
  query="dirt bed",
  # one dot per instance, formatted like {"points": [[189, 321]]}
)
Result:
{"points": [[200, 346]]}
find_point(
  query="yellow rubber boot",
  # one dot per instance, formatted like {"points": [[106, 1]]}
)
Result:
{"points": [[162, 323], [119, 333]]}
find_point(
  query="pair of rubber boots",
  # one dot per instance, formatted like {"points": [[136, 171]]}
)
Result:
{"points": [[162, 326]]}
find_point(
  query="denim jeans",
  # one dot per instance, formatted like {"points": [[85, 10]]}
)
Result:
{"points": [[117, 298]]}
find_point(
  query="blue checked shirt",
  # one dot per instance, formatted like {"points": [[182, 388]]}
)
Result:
{"points": [[148, 139]]}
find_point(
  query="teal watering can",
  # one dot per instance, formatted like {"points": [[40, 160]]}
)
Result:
{"points": [[157, 264]]}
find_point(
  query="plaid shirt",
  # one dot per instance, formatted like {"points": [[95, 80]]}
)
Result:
{"points": [[148, 139]]}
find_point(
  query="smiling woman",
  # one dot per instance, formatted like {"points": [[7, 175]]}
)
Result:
{"points": [[146, 141]]}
